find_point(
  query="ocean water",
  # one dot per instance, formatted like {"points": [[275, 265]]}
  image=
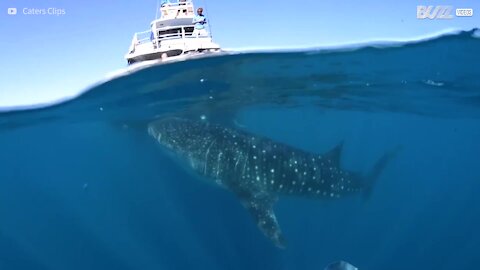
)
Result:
{"points": [[83, 186]]}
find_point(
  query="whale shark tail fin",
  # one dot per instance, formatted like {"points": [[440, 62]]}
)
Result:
{"points": [[374, 174]]}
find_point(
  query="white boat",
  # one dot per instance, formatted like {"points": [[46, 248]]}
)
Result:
{"points": [[170, 35]]}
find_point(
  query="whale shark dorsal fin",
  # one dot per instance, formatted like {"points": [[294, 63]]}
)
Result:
{"points": [[334, 154], [260, 207]]}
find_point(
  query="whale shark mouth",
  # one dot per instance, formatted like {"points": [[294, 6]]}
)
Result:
{"points": [[152, 132]]}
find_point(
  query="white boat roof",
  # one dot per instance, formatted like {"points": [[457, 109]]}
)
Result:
{"points": [[172, 22], [175, 13]]}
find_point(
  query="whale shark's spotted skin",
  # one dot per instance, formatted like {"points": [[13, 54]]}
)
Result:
{"points": [[257, 169]]}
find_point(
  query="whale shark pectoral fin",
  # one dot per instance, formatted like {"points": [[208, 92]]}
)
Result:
{"points": [[334, 154], [261, 209]]}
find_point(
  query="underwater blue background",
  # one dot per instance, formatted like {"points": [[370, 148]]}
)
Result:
{"points": [[83, 186]]}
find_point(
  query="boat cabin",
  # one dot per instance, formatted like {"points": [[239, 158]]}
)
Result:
{"points": [[170, 35]]}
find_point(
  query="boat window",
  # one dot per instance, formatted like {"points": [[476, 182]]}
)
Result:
{"points": [[175, 32], [188, 31]]}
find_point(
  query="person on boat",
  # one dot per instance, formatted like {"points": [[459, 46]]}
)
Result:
{"points": [[199, 20]]}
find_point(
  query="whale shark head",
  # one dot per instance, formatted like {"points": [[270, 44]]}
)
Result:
{"points": [[176, 134], [189, 141]]}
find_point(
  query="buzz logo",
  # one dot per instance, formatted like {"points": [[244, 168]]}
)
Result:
{"points": [[434, 12]]}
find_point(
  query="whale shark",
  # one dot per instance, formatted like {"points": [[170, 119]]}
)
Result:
{"points": [[259, 170]]}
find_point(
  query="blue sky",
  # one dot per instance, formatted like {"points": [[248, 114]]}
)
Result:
{"points": [[48, 57]]}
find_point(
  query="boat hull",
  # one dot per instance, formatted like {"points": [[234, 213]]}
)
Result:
{"points": [[154, 55]]}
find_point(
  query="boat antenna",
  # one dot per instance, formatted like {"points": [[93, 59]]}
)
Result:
{"points": [[208, 15], [156, 12]]}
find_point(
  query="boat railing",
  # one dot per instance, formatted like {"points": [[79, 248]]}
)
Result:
{"points": [[170, 36], [148, 36], [142, 37], [180, 34]]}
